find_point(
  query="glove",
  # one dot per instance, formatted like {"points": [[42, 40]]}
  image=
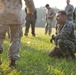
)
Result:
{"points": [[52, 39]]}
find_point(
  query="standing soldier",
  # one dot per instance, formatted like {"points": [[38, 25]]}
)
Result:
{"points": [[49, 19], [69, 11], [30, 20], [10, 17]]}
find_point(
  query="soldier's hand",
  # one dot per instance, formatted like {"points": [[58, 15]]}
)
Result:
{"points": [[51, 40]]}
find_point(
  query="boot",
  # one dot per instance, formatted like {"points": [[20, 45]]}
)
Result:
{"points": [[1, 50], [33, 35], [26, 34], [68, 57], [0, 61], [12, 63]]}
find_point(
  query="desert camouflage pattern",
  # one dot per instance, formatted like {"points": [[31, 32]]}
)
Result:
{"points": [[10, 18], [30, 6], [15, 36], [10, 12]]}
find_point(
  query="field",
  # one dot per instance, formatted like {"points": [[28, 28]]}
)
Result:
{"points": [[34, 59]]}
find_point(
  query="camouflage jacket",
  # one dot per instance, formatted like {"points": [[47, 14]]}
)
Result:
{"points": [[50, 14], [74, 15], [10, 11], [69, 11], [65, 32]]}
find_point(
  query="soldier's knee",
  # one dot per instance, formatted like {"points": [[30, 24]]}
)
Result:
{"points": [[55, 52], [60, 42]]}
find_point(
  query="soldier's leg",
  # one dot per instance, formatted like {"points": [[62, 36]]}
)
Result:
{"points": [[27, 28], [75, 28], [46, 28], [64, 49], [33, 28], [8, 33], [3, 30], [56, 52], [15, 36], [49, 27]]}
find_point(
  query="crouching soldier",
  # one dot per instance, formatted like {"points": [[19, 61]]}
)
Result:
{"points": [[64, 38]]}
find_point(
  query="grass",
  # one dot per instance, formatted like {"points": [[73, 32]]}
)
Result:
{"points": [[34, 58]]}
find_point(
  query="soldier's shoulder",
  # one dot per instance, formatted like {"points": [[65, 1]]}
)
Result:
{"points": [[71, 5], [75, 8], [69, 24]]}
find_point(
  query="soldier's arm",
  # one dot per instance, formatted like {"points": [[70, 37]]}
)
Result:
{"points": [[52, 14], [35, 14], [71, 10], [30, 6], [25, 10], [74, 15]]}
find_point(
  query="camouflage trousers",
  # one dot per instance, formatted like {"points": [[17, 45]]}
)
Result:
{"points": [[28, 23], [48, 26], [15, 37], [65, 48]]}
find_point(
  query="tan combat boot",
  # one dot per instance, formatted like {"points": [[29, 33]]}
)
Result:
{"points": [[12, 63]]}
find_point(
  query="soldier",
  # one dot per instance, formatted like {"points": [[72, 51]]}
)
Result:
{"points": [[69, 11], [30, 20], [74, 18], [10, 18], [49, 19], [64, 38]]}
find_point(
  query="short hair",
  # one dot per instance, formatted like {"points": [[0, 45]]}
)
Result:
{"points": [[46, 5], [62, 12]]}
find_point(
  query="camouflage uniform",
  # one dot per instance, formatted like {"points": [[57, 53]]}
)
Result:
{"points": [[10, 17], [69, 11], [74, 18], [49, 20], [65, 39], [30, 20]]}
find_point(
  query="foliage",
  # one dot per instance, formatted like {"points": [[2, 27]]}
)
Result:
{"points": [[34, 58]]}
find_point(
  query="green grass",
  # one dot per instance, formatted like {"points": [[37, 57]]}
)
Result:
{"points": [[34, 58]]}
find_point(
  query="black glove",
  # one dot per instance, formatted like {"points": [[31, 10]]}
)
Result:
{"points": [[52, 39]]}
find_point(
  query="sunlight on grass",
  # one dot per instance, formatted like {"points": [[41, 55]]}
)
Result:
{"points": [[34, 58]]}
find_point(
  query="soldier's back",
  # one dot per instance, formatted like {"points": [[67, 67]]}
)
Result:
{"points": [[10, 11]]}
